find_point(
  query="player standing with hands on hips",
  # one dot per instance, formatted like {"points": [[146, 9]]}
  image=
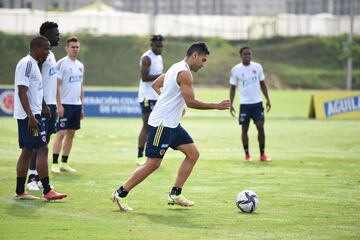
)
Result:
{"points": [[164, 126], [249, 77]]}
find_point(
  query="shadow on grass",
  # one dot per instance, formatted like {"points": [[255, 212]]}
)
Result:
{"points": [[179, 217]]}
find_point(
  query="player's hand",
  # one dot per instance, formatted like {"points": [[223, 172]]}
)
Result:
{"points": [[33, 126], [268, 106], [45, 111], [232, 111], [82, 114], [60, 110], [225, 104]]}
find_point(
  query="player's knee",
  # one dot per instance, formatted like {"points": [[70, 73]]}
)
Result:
{"points": [[194, 155], [43, 150], [153, 164]]}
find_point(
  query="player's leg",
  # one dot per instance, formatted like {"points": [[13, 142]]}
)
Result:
{"points": [[156, 146], [68, 142], [183, 142], [26, 144], [142, 138], [60, 134], [244, 121], [259, 119]]}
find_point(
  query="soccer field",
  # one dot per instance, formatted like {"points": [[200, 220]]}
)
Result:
{"points": [[311, 190]]}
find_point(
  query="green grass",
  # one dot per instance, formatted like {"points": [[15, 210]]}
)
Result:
{"points": [[310, 190]]}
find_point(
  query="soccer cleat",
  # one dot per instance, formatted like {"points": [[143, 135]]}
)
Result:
{"points": [[64, 167], [179, 200], [265, 158], [52, 195], [33, 186], [25, 196], [248, 158], [55, 168], [120, 202]]}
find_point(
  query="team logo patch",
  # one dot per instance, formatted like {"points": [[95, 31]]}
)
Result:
{"points": [[254, 71], [7, 102], [62, 124], [43, 138], [162, 152]]}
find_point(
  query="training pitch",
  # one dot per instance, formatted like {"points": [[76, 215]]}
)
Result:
{"points": [[311, 190]]}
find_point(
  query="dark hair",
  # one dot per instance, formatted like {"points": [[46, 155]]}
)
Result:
{"points": [[72, 39], [38, 41], [243, 48], [46, 26], [198, 47], [156, 38]]}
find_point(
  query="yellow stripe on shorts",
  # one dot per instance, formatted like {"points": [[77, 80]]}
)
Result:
{"points": [[158, 135]]}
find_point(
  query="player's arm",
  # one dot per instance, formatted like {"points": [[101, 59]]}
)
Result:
{"points": [[82, 101], [184, 79], [33, 124], [145, 70], [158, 83], [232, 96], [59, 106], [266, 95]]}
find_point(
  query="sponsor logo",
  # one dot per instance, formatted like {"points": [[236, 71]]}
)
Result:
{"points": [[7, 102], [344, 105], [164, 145]]}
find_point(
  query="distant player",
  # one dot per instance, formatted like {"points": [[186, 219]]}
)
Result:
{"points": [[28, 105], [69, 100], [164, 126], [151, 67], [48, 72], [249, 77]]}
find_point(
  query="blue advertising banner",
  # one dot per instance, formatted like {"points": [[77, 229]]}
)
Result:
{"points": [[96, 103]]}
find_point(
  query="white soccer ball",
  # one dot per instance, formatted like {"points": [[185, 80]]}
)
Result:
{"points": [[247, 201]]}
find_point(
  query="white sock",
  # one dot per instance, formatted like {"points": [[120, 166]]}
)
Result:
{"points": [[33, 172]]}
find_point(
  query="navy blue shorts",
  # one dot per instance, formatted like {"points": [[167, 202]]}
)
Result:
{"points": [[251, 111], [26, 140], [147, 105], [50, 123], [160, 138], [71, 118]]}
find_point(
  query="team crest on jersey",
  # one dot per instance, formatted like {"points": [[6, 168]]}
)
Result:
{"points": [[7, 102], [162, 152], [254, 71]]}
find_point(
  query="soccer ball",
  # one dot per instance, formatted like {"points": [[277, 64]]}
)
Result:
{"points": [[247, 201]]}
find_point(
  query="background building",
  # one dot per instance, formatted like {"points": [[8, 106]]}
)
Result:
{"points": [[199, 7]]}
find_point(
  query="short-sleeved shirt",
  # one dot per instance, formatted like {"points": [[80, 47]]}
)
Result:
{"points": [[247, 79], [170, 104], [156, 67], [71, 74], [28, 74], [48, 73]]}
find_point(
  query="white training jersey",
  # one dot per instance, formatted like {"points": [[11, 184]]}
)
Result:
{"points": [[71, 74], [48, 73], [28, 74], [156, 67], [170, 104], [248, 78]]}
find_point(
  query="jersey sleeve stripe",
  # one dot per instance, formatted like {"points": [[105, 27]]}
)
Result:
{"points": [[28, 69]]}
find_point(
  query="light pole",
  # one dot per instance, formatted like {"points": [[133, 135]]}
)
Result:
{"points": [[349, 61]]}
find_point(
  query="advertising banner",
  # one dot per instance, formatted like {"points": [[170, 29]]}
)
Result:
{"points": [[335, 105], [96, 103]]}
